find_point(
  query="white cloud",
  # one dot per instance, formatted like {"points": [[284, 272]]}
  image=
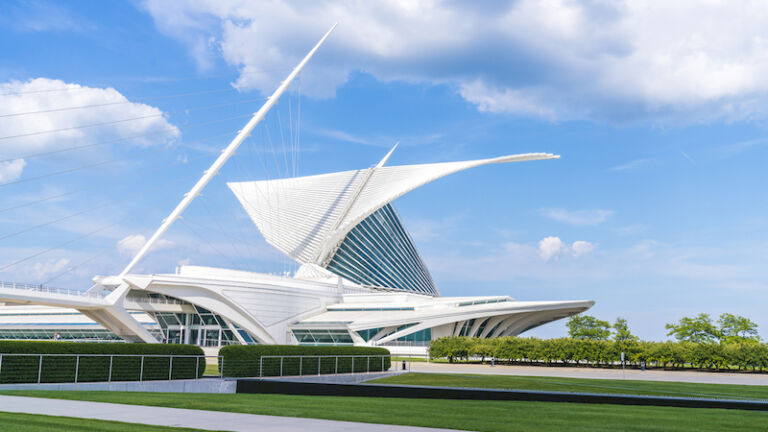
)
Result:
{"points": [[131, 244], [36, 95], [554, 58], [11, 170], [42, 270], [498, 100], [550, 247], [578, 217], [581, 247]]}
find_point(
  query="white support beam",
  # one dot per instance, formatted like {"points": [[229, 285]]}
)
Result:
{"points": [[222, 159]]}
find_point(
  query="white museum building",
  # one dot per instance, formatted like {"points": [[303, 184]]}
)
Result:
{"points": [[361, 280]]}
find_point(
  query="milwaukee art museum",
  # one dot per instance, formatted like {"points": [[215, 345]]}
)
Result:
{"points": [[361, 280]]}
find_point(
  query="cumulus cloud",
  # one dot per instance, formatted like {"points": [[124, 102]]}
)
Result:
{"points": [[556, 59], [42, 270], [552, 247], [11, 170], [131, 244], [577, 217], [44, 94], [581, 247]]}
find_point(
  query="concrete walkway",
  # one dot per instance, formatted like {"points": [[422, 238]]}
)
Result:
{"points": [[595, 373], [186, 418]]}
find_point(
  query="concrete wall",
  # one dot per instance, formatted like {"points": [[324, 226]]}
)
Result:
{"points": [[206, 385]]}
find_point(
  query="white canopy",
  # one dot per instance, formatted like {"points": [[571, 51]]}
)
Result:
{"points": [[307, 217]]}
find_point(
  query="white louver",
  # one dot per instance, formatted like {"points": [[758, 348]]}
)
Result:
{"points": [[307, 217]]}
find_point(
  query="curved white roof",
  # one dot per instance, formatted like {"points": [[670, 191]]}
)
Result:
{"points": [[307, 217]]}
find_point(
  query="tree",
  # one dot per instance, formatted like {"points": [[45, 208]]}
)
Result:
{"points": [[451, 347], [621, 333], [699, 329], [734, 328], [588, 327]]}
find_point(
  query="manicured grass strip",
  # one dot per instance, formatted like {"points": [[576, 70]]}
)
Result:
{"points": [[452, 414], [13, 422], [212, 370], [581, 385]]}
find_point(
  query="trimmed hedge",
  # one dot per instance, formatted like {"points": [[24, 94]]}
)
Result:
{"points": [[714, 356], [244, 360], [61, 368]]}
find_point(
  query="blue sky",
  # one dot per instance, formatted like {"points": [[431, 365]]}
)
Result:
{"points": [[656, 209]]}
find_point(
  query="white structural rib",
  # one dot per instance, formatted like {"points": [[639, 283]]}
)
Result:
{"points": [[223, 157], [307, 217]]}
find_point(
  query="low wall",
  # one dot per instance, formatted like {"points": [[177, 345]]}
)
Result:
{"points": [[207, 385], [428, 392]]}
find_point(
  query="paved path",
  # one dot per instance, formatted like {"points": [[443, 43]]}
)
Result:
{"points": [[176, 417], [573, 372]]}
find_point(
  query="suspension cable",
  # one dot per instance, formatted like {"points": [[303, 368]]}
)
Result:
{"points": [[70, 108], [186, 224], [78, 87], [161, 114], [205, 123], [101, 185], [99, 253], [107, 204], [69, 170], [62, 244]]}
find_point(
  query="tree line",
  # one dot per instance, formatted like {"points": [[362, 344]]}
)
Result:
{"points": [[731, 342]]}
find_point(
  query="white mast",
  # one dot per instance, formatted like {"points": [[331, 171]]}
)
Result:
{"points": [[223, 157]]}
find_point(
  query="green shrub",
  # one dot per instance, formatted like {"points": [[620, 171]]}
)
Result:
{"points": [[59, 364], [741, 354], [458, 347], [246, 360]]}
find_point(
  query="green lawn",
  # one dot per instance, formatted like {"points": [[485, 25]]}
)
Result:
{"points": [[12, 422], [454, 414], [212, 370], [656, 388]]}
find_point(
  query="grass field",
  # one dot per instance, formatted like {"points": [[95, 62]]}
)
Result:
{"points": [[211, 370], [12, 422], [655, 388], [453, 414]]}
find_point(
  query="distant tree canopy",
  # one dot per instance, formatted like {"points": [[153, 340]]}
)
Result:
{"points": [[621, 333], [734, 328], [588, 327], [701, 329]]}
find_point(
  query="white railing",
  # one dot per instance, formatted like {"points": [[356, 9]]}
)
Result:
{"points": [[78, 368], [308, 365], [152, 300], [48, 290], [396, 343]]}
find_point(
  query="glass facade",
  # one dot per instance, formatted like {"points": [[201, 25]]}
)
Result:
{"points": [[367, 334], [378, 252], [323, 337], [480, 302], [419, 338], [65, 334], [482, 327], [466, 327], [202, 328]]}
